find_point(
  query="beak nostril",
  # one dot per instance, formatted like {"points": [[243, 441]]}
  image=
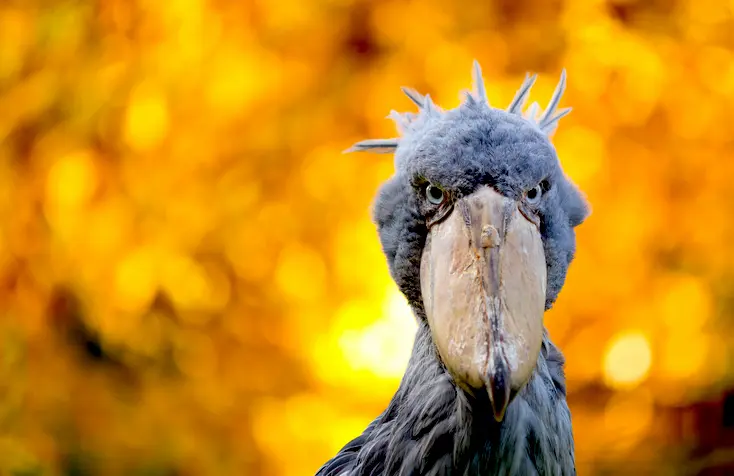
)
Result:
{"points": [[490, 237]]}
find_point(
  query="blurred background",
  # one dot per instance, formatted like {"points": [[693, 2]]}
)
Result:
{"points": [[190, 283]]}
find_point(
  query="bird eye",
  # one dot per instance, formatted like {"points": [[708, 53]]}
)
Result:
{"points": [[434, 195], [533, 195]]}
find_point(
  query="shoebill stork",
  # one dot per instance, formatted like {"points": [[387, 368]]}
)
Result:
{"points": [[477, 224]]}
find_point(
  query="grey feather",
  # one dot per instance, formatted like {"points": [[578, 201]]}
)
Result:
{"points": [[468, 97], [532, 113], [518, 102], [550, 125], [401, 121], [429, 108], [379, 146], [414, 96], [555, 99], [479, 83]]}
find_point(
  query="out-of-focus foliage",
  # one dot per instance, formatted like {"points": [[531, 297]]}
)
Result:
{"points": [[189, 279]]}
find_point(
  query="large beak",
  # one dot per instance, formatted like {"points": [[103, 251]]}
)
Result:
{"points": [[483, 280]]}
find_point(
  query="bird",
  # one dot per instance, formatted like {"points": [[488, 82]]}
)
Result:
{"points": [[477, 224]]}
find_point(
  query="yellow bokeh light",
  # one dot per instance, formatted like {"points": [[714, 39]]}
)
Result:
{"points": [[583, 153], [628, 417], [301, 273], [185, 281], [384, 346], [71, 181], [70, 184], [107, 228], [195, 354], [441, 62], [588, 368], [299, 415], [685, 304], [15, 37], [627, 360], [136, 280], [683, 356], [146, 123], [236, 79], [363, 237]]}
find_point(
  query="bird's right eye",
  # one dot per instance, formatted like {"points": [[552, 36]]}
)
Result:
{"points": [[435, 195]]}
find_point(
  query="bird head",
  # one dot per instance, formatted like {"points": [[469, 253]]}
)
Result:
{"points": [[477, 224]]}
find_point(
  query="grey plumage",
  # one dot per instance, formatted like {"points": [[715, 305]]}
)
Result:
{"points": [[431, 426]]}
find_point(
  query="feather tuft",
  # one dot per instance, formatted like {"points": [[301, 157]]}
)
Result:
{"points": [[532, 113], [521, 97], [414, 96], [549, 116], [468, 97], [401, 120], [378, 146], [428, 106], [479, 89]]}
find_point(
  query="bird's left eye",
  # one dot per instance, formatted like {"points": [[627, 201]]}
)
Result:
{"points": [[434, 195], [533, 195]]}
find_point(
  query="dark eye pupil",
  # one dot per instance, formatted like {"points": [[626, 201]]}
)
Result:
{"points": [[436, 193], [532, 193]]}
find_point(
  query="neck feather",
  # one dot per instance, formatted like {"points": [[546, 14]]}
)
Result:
{"points": [[431, 426]]}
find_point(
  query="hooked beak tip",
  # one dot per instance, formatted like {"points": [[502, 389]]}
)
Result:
{"points": [[498, 389]]}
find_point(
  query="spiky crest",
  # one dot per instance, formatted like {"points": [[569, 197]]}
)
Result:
{"points": [[406, 122]]}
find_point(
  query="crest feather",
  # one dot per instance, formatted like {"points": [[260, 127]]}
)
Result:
{"points": [[532, 113], [428, 106], [414, 96], [550, 116], [522, 94], [409, 122], [479, 83], [378, 146]]}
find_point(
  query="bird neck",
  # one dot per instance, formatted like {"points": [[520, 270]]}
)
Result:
{"points": [[434, 425]]}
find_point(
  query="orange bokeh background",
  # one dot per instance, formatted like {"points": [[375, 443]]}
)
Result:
{"points": [[190, 283]]}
